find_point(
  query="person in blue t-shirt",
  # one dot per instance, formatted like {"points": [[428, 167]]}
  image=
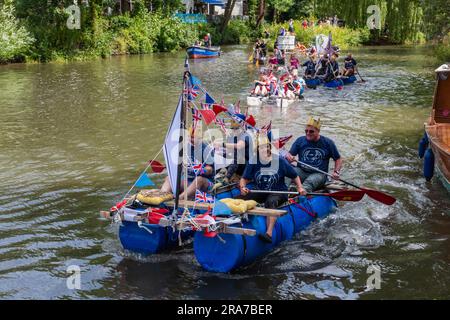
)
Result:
{"points": [[332, 68], [237, 147], [268, 174], [349, 66], [314, 150], [310, 65], [200, 169]]}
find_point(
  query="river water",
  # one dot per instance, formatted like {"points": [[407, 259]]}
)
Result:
{"points": [[75, 136]]}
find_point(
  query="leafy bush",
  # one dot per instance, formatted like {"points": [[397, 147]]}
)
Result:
{"points": [[442, 50], [14, 38]]}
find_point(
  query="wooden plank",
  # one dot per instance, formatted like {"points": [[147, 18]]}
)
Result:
{"points": [[243, 231], [205, 206]]}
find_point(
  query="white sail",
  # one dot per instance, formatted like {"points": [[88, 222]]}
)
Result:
{"points": [[172, 146]]}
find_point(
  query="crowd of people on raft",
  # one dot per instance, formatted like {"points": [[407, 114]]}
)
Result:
{"points": [[290, 84], [258, 163]]}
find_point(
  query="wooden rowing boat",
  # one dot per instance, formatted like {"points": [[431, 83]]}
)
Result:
{"points": [[437, 129]]}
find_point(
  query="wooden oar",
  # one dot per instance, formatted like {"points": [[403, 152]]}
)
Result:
{"points": [[344, 195], [374, 194]]}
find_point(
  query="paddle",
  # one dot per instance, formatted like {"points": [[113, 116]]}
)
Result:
{"points": [[357, 72], [344, 195], [156, 166], [374, 194]]}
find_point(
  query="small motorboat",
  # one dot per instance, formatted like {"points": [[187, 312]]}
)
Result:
{"points": [[199, 52]]}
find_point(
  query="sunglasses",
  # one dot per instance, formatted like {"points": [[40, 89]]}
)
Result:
{"points": [[310, 131]]}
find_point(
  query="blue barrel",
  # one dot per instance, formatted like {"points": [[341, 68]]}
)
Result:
{"points": [[139, 240], [232, 251], [312, 83], [349, 80], [334, 83], [423, 145], [428, 164]]}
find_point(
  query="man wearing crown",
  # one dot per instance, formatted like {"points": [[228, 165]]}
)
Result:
{"points": [[316, 151]]}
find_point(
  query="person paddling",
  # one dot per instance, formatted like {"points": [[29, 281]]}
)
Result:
{"points": [[349, 66], [268, 173], [310, 71], [332, 68], [316, 151]]}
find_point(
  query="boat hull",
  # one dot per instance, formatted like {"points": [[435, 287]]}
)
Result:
{"points": [[259, 101], [439, 138], [312, 83], [203, 52], [349, 80], [232, 251], [334, 83]]}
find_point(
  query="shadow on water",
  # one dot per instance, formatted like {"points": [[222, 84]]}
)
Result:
{"points": [[75, 136]]}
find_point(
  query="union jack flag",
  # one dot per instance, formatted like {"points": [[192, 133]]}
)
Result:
{"points": [[221, 124], [192, 92], [198, 168], [203, 197]]}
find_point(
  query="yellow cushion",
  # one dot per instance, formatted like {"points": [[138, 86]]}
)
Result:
{"points": [[153, 197], [239, 205]]}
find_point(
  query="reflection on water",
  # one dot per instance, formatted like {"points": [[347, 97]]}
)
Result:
{"points": [[75, 136]]}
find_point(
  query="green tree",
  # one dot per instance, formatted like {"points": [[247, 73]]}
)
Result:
{"points": [[14, 38]]}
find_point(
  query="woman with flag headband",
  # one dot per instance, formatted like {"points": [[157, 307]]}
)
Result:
{"points": [[268, 174]]}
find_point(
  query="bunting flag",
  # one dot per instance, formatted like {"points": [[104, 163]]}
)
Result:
{"points": [[208, 116], [250, 120], [192, 92], [203, 197], [217, 108], [195, 81], [196, 117], [280, 142], [144, 181], [208, 99], [221, 209], [198, 169], [221, 124]]}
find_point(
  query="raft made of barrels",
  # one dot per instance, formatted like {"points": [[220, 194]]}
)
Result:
{"points": [[334, 83], [226, 252], [348, 80], [258, 101], [199, 52]]}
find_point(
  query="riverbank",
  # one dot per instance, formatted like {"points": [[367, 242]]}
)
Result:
{"points": [[44, 35]]}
